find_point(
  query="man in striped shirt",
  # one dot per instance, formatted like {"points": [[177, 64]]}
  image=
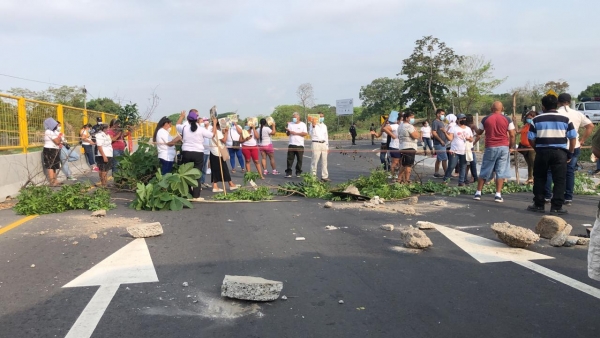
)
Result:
{"points": [[548, 135]]}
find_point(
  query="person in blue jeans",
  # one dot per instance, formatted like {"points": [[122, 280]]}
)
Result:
{"points": [[472, 167], [234, 147], [458, 135]]}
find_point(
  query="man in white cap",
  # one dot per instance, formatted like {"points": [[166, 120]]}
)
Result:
{"points": [[320, 146], [296, 130]]}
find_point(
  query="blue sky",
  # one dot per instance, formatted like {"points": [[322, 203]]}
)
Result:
{"points": [[251, 55]]}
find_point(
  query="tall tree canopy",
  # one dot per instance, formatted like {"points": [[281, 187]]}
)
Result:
{"points": [[590, 91], [104, 105], [429, 70], [381, 96]]}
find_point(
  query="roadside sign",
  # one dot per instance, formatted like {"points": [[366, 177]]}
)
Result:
{"points": [[551, 92], [383, 118], [344, 107]]}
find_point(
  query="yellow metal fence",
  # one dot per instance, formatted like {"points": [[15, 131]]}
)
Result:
{"points": [[22, 122]]}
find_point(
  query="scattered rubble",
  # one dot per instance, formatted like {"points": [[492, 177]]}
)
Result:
{"points": [[376, 200], [145, 230], [300, 238], [328, 205], [250, 288], [340, 301], [583, 241], [388, 227], [331, 227], [549, 226], [352, 190], [414, 238], [413, 200], [185, 284], [422, 225], [33, 265], [93, 236], [408, 211], [284, 297], [99, 213], [369, 205], [514, 236], [561, 237], [571, 241], [439, 203]]}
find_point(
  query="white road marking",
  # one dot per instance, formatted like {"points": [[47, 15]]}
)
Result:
{"points": [[131, 264], [487, 251]]}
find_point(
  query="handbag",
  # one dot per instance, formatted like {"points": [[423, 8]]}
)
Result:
{"points": [[222, 149], [235, 144]]}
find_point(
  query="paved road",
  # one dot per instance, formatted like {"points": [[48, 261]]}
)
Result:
{"points": [[440, 292]]}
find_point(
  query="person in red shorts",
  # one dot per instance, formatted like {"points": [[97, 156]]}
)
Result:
{"points": [[250, 147]]}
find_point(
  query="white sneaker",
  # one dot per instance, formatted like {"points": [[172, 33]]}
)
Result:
{"points": [[235, 187], [208, 171], [218, 190], [197, 199]]}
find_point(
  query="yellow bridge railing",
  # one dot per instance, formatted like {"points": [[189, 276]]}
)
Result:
{"points": [[22, 122]]}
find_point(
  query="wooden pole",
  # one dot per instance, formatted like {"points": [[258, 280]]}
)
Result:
{"points": [[516, 153]]}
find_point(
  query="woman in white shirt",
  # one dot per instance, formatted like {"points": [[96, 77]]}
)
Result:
{"points": [[426, 137], [459, 134], [250, 148], [265, 145], [394, 145], [165, 144], [104, 155], [88, 146], [192, 149], [383, 150], [51, 152], [219, 169], [234, 147]]}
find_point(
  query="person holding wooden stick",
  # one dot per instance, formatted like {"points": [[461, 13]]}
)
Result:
{"points": [[220, 171]]}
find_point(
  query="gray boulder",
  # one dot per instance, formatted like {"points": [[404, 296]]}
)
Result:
{"points": [[514, 236], [408, 211], [571, 241], [414, 238], [328, 205], [583, 241], [145, 230], [99, 213], [422, 225], [352, 190], [549, 226], [561, 237], [250, 288], [387, 227], [413, 200]]}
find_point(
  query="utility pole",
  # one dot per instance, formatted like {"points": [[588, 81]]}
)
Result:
{"points": [[84, 97]]}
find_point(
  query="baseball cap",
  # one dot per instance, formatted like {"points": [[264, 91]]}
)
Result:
{"points": [[461, 116], [192, 116], [98, 119], [564, 97]]}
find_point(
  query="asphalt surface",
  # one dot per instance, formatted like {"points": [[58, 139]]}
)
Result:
{"points": [[439, 292]]}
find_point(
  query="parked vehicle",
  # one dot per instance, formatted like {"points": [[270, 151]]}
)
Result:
{"points": [[590, 107]]}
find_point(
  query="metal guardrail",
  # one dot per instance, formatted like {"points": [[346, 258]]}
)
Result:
{"points": [[22, 122]]}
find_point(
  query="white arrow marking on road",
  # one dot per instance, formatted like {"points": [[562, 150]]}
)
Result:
{"points": [[487, 251], [131, 264]]}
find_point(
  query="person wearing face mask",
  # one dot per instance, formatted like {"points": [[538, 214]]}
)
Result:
{"points": [[51, 153], [250, 148], [525, 148], [88, 146], [67, 154], [408, 136], [459, 135], [320, 147], [438, 131], [206, 169], [165, 144], [426, 137], [104, 155], [296, 130]]}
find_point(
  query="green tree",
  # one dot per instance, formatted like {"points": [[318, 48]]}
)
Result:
{"points": [[475, 82], [590, 91], [560, 86], [104, 105], [381, 96], [67, 95], [129, 116], [429, 70], [283, 114]]}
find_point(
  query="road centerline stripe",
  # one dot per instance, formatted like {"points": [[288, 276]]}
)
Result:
{"points": [[17, 223]]}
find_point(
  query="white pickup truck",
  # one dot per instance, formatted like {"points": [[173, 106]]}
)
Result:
{"points": [[590, 107]]}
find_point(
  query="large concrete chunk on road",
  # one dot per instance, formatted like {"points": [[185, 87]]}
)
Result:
{"points": [[422, 225], [414, 238], [549, 226], [250, 288], [514, 236], [352, 190], [561, 237], [145, 230]]}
